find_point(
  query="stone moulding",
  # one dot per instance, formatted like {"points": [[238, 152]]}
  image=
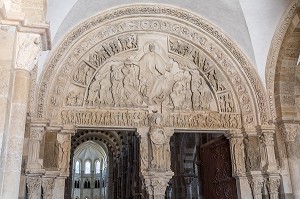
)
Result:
{"points": [[274, 52], [247, 73]]}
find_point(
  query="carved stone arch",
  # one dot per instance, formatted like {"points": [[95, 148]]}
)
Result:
{"points": [[108, 32], [96, 137], [281, 69]]}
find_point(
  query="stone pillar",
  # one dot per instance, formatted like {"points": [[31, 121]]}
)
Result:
{"points": [[155, 156], [257, 184], [37, 131], [270, 168], [237, 150], [59, 187], [48, 186], [34, 186], [273, 184], [27, 51], [290, 132]]}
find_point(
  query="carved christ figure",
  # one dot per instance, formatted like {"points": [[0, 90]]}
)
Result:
{"points": [[152, 75]]}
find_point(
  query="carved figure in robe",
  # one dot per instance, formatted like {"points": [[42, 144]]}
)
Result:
{"points": [[117, 77], [29, 50], [158, 140], [130, 83], [105, 91], [180, 95], [94, 91], [63, 158], [152, 71]]}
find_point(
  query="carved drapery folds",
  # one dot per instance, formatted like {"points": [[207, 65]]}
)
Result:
{"points": [[160, 158], [34, 184], [267, 141], [48, 186], [28, 50], [63, 146], [252, 152], [155, 155], [36, 135], [237, 149]]}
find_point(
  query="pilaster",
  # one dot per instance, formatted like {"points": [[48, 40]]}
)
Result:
{"points": [[237, 149], [290, 131]]}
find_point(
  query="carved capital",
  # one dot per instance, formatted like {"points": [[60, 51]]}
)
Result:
{"points": [[267, 137], [273, 184], [34, 187], [256, 186], [27, 50], [37, 133], [156, 187], [289, 131], [48, 186]]}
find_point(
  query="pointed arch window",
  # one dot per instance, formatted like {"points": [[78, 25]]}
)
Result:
{"points": [[87, 167], [77, 167], [97, 166]]}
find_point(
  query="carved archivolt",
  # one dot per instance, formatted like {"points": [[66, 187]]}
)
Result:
{"points": [[276, 51], [165, 59]]}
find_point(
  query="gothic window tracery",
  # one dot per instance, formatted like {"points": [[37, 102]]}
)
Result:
{"points": [[87, 167]]}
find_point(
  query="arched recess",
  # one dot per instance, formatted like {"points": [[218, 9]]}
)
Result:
{"points": [[283, 90], [282, 70], [192, 52]]}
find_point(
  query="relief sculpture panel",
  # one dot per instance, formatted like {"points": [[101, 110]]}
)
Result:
{"points": [[125, 77], [146, 70]]}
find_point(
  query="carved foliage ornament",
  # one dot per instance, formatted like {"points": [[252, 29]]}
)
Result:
{"points": [[34, 187], [182, 32], [48, 186], [289, 131]]}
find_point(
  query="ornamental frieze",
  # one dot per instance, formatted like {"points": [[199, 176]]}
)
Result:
{"points": [[139, 118]]}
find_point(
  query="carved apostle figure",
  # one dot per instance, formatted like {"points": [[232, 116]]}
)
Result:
{"points": [[63, 155], [158, 139], [29, 49]]}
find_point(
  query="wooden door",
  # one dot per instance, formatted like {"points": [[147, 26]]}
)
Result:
{"points": [[215, 170]]}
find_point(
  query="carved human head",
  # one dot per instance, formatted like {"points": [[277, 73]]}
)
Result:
{"points": [[151, 47]]}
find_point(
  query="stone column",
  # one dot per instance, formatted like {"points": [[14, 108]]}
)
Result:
{"points": [[270, 168], [237, 150], [37, 131], [27, 51], [273, 184], [34, 186], [290, 132], [59, 187], [155, 156], [48, 186], [257, 184]]}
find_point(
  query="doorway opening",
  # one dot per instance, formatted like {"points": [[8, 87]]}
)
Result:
{"points": [[201, 163], [104, 164]]}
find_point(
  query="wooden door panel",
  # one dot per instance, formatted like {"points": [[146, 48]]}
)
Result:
{"points": [[215, 170]]}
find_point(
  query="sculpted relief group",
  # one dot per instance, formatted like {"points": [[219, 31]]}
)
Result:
{"points": [[129, 74]]}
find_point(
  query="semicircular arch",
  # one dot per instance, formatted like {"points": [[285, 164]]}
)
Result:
{"points": [[190, 54]]}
